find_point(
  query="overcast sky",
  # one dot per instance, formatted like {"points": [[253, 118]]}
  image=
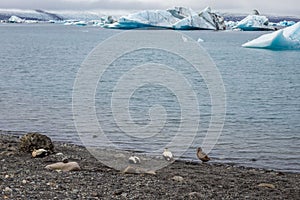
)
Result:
{"points": [[279, 7]]}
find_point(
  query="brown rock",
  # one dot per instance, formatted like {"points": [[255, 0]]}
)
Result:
{"points": [[34, 141]]}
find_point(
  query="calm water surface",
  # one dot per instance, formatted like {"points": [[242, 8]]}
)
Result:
{"points": [[39, 63]]}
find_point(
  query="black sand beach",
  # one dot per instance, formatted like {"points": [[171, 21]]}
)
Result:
{"points": [[24, 177]]}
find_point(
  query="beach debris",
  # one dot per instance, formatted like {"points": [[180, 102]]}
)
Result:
{"points": [[137, 170], [40, 153], [65, 167], [134, 160], [178, 178], [167, 154], [201, 155], [267, 185], [33, 141]]}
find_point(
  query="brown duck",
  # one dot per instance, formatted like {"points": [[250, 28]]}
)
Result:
{"points": [[201, 155]]}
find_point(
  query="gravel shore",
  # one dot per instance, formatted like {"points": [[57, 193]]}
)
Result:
{"points": [[24, 177]]}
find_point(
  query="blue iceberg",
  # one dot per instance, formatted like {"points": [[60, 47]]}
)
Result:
{"points": [[287, 38], [254, 23], [178, 18]]}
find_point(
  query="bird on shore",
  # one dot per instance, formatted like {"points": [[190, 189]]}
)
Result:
{"points": [[201, 155], [167, 154], [134, 160]]}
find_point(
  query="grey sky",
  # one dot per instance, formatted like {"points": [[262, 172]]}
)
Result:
{"points": [[279, 7]]}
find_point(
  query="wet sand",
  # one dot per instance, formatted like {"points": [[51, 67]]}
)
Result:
{"points": [[24, 177]]}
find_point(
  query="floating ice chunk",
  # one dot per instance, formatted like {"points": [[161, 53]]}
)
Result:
{"points": [[254, 23], [287, 38], [184, 39], [179, 18], [286, 23], [80, 23], [148, 18], [15, 19], [200, 40]]}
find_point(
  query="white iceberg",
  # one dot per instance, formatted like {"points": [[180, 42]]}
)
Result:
{"points": [[176, 18], [287, 38], [254, 23], [286, 23], [15, 19]]}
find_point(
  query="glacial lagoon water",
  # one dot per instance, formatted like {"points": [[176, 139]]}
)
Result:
{"points": [[39, 64]]}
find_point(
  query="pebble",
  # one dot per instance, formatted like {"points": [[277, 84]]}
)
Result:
{"points": [[75, 191], [118, 192], [24, 181], [177, 178], [195, 195], [8, 190]]}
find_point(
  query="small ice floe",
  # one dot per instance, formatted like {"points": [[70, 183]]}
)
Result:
{"points": [[184, 38], [134, 160], [200, 40], [40, 153], [201, 155], [65, 167], [167, 154]]}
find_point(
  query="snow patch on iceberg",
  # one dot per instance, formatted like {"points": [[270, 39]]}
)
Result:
{"points": [[287, 38]]}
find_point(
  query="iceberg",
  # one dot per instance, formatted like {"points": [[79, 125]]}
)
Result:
{"points": [[178, 18], [254, 22], [286, 23], [287, 38], [15, 19]]}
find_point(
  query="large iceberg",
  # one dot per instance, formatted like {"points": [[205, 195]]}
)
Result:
{"points": [[179, 18], [287, 38], [15, 19], [254, 22]]}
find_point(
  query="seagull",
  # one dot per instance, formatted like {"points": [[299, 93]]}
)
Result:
{"points": [[167, 154], [134, 160], [201, 155]]}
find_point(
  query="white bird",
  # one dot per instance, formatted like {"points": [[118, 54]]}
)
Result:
{"points": [[167, 154], [134, 160]]}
